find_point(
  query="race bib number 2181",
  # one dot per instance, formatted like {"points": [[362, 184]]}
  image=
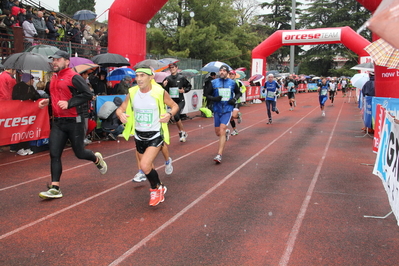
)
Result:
{"points": [[144, 117]]}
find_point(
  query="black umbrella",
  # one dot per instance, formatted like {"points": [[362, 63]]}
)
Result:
{"points": [[84, 15], [157, 65], [27, 61], [110, 60], [43, 49]]}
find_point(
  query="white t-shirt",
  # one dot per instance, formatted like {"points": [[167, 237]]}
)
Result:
{"points": [[332, 86], [146, 112]]}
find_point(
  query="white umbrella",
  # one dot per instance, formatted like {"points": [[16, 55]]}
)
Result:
{"points": [[358, 80]]}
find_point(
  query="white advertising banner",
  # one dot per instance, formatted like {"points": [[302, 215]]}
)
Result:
{"points": [[386, 164], [257, 66], [311, 36], [193, 101]]}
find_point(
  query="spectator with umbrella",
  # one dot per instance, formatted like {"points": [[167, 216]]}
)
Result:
{"points": [[123, 86], [23, 91], [99, 83]]}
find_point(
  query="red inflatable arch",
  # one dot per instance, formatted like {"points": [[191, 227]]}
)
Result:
{"points": [[127, 27], [344, 35]]}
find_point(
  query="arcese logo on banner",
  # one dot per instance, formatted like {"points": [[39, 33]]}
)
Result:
{"points": [[314, 36]]}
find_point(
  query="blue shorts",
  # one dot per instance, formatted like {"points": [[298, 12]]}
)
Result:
{"points": [[221, 118], [322, 99]]}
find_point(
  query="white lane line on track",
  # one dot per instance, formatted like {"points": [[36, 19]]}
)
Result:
{"points": [[204, 195], [174, 218], [305, 204], [66, 170], [89, 198], [83, 164]]}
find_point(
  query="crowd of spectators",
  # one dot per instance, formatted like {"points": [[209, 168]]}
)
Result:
{"points": [[40, 25]]}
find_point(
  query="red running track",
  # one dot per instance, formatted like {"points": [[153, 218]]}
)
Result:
{"points": [[291, 193]]}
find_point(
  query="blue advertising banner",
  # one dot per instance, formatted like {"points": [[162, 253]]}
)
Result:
{"points": [[312, 87], [367, 103], [100, 100], [391, 105]]}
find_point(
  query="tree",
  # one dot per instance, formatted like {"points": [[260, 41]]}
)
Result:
{"points": [[202, 29], [69, 7], [280, 18], [246, 9], [325, 14]]}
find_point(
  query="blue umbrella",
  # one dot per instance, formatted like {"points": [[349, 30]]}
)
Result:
{"points": [[119, 73], [84, 15], [214, 66], [168, 60]]}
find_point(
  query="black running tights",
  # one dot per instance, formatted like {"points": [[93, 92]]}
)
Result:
{"points": [[61, 131]]}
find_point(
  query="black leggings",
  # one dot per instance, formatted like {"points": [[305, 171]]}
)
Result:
{"points": [[181, 105], [61, 131]]}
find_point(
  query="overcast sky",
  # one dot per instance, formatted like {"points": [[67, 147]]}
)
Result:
{"points": [[101, 6]]}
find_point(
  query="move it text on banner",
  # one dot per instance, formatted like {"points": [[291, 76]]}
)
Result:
{"points": [[22, 121]]}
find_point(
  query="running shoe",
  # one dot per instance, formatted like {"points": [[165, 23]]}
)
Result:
{"points": [[239, 119], [291, 109], [29, 151], [52, 193], [101, 165], [323, 113], [227, 134], [87, 141], [218, 159], [183, 136], [294, 103], [277, 111], [270, 121], [157, 195], [169, 167], [139, 177], [22, 152], [235, 132]]}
